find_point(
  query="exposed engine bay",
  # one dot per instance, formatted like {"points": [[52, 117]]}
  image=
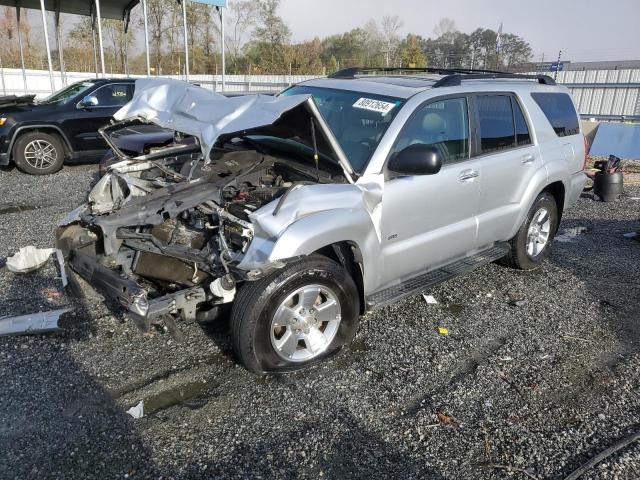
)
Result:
{"points": [[177, 243]]}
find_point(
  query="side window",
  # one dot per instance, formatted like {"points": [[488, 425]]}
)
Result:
{"points": [[443, 124], [522, 130], [559, 110], [114, 95], [497, 130]]}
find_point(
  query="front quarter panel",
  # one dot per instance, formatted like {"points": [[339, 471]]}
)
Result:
{"points": [[311, 218]]}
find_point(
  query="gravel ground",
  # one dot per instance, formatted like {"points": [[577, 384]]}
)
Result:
{"points": [[539, 372]]}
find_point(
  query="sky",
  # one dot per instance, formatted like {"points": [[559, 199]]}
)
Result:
{"points": [[584, 30]]}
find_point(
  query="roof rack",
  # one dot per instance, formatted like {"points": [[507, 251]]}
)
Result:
{"points": [[353, 71], [452, 76]]}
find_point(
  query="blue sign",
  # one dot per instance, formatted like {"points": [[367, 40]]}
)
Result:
{"points": [[556, 67], [215, 3]]}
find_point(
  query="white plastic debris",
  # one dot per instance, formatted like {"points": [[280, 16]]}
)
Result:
{"points": [[31, 323], [430, 299], [29, 259], [630, 235], [137, 411], [570, 234]]}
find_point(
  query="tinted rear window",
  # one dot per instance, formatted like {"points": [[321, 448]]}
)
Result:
{"points": [[496, 123], [559, 110]]}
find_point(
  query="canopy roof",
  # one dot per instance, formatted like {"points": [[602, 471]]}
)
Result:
{"points": [[115, 9]]}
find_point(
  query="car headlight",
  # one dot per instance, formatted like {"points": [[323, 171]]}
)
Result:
{"points": [[3, 120], [139, 304]]}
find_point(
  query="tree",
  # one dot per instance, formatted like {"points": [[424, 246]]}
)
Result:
{"points": [[240, 17], [271, 34], [412, 51], [390, 27]]}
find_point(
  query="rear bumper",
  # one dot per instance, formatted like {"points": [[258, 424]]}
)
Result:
{"points": [[132, 296], [4, 159], [575, 188]]}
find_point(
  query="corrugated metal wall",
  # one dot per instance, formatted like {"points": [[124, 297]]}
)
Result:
{"points": [[604, 93]]}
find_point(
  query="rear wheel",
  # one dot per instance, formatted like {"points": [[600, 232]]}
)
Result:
{"points": [[295, 317], [532, 243], [38, 153]]}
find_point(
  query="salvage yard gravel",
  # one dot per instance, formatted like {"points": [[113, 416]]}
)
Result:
{"points": [[509, 375]]}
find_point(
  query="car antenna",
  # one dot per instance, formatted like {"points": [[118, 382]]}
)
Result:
{"points": [[315, 148]]}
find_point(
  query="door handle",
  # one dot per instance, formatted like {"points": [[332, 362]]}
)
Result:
{"points": [[468, 175], [528, 158]]}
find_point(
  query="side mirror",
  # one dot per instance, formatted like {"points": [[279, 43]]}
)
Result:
{"points": [[89, 101], [416, 159]]}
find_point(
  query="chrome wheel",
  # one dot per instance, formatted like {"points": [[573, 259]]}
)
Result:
{"points": [[539, 232], [40, 154], [305, 323]]}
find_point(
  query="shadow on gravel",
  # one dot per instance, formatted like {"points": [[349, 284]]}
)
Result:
{"points": [[608, 265], [355, 452]]}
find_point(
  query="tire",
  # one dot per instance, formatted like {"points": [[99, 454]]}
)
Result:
{"points": [[256, 330], [38, 153], [521, 255]]}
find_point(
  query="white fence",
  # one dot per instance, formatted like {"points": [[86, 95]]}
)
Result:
{"points": [[598, 93], [38, 83]]}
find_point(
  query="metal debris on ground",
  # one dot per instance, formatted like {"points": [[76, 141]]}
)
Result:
{"points": [[29, 259], [31, 323], [570, 234], [631, 235], [430, 299], [137, 411]]}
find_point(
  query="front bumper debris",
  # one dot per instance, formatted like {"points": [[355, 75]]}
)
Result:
{"points": [[133, 297]]}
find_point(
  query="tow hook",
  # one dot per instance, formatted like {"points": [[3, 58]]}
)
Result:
{"points": [[224, 288]]}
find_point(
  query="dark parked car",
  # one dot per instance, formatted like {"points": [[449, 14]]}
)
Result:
{"points": [[39, 135]]}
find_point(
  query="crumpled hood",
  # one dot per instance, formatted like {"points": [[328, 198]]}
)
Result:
{"points": [[208, 115]]}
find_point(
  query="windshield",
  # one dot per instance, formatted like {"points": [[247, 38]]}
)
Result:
{"points": [[358, 120], [68, 93]]}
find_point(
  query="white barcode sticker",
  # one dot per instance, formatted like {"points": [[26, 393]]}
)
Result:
{"points": [[374, 105]]}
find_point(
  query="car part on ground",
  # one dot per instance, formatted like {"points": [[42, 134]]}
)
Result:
{"points": [[31, 323]]}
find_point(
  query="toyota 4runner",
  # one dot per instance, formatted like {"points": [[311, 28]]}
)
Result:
{"points": [[339, 195]]}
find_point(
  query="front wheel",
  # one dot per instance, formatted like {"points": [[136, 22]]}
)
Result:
{"points": [[295, 317], [38, 153], [532, 243]]}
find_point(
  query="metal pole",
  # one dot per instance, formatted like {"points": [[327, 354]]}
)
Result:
{"points": [[555, 75], [222, 43], [186, 40], [95, 48], [97, 4], [126, 43], [24, 75], [63, 76], [4, 88], [46, 42], [146, 35]]}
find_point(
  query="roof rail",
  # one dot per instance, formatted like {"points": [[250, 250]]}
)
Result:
{"points": [[453, 76], [456, 79], [353, 71]]}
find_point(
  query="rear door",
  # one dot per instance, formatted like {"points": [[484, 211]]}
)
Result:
{"points": [[507, 160], [81, 125], [427, 220]]}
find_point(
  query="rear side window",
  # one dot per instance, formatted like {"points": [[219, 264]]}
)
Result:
{"points": [[522, 130], [559, 110], [497, 131]]}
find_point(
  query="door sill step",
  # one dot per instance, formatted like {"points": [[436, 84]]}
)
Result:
{"points": [[425, 280]]}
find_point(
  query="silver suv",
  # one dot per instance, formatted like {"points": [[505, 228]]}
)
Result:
{"points": [[341, 194]]}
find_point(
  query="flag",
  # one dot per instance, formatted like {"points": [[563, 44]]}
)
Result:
{"points": [[499, 38]]}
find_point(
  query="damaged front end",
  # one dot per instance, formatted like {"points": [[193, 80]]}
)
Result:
{"points": [[172, 232]]}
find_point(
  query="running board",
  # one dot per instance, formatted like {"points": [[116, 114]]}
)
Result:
{"points": [[425, 280]]}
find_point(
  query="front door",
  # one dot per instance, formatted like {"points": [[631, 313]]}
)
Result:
{"points": [[428, 220], [82, 124]]}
